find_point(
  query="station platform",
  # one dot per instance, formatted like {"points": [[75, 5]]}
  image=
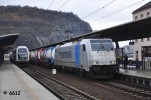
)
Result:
{"points": [[15, 84], [136, 73], [137, 76]]}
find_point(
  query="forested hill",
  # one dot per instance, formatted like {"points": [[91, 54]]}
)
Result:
{"points": [[39, 27]]}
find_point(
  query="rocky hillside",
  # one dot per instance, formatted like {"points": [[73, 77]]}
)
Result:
{"points": [[39, 27]]}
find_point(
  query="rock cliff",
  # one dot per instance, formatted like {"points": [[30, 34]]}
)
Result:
{"points": [[39, 27]]}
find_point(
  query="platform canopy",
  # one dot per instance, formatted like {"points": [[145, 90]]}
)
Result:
{"points": [[127, 31], [7, 41]]}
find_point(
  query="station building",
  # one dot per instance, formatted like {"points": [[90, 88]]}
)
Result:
{"points": [[142, 47]]}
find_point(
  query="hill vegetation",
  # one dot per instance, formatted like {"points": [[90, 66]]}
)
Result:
{"points": [[39, 27]]}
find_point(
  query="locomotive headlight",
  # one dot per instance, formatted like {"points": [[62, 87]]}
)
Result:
{"points": [[112, 62], [96, 62]]}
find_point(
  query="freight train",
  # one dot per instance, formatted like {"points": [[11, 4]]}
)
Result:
{"points": [[92, 57], [20, 56]]}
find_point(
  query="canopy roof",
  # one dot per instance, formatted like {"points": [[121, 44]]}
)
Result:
{"points": [[6, 41], [127, 31]]}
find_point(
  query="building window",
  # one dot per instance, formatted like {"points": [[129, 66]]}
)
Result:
{"points": [[135, 17], [142, 40], [146, 51], [148, 14], [141, 16], [148, 39]]}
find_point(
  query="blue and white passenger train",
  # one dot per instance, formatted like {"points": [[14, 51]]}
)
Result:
{"points": [[20, 56], [92, 57]]}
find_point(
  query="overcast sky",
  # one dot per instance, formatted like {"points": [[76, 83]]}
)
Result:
{"points": [[83, 8]]}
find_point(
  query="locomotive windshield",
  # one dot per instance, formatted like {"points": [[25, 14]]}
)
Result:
{"points": [[101, 45], [22, 52]]}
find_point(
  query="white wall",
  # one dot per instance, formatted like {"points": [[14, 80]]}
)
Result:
{"points": [[139, 43], [144, 12]]}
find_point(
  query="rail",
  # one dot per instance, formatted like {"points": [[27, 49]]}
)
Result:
{"points": [[61, 90]]}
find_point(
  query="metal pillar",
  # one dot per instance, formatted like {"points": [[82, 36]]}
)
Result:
{"points": [[1, 57], [117, 45]]}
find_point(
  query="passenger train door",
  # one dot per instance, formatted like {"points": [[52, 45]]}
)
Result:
{"points": [[84, 58]]}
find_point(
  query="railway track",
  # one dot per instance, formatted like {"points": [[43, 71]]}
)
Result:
{"points": [[117, 89], [61, 90], [137, 91]]}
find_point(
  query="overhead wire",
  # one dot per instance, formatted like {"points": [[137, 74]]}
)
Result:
{"points": [[63, 4], [117, 11], [98, 9], [50, 4]]}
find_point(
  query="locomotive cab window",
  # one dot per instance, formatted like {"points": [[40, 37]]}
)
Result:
{"points": [[101, 45], [22, 52]]}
